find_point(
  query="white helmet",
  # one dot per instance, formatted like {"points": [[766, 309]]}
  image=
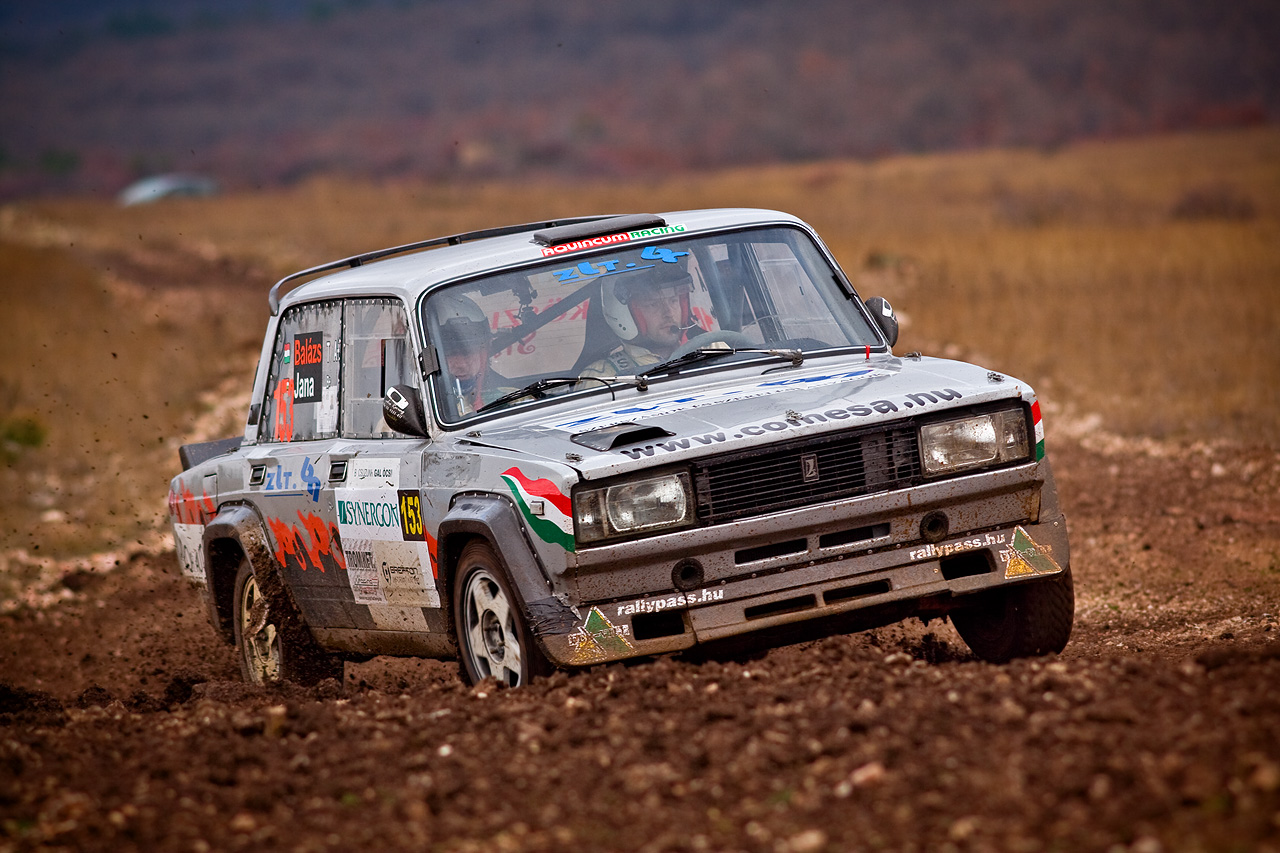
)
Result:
{"points": [[620, 288], [461, 322]]}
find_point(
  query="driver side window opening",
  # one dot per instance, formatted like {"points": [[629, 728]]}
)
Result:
{"points": [[375, 356]]}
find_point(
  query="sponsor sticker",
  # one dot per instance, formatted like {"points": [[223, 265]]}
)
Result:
{"points": [[362, 571], [369, 513], [609, 240], [374, 473], [931, 552], [388, 573], [308, 367], [1019, 553], [671, 602], [389, 542], [327, 412], [404, 583], [729, 395], [597, 639], [284, 481], [795, 421], [1025, 557]]}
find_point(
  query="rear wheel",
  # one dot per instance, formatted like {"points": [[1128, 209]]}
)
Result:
{"points": [[493, 639], [1020, 621], [273, 643]]}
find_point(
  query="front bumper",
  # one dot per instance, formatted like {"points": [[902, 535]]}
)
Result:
{"points": [[819, 564]]}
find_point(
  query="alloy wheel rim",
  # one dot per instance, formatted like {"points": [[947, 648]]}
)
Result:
{"points": [[489, 622], [262, 646]]}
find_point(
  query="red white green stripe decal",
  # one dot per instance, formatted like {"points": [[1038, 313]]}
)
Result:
{"points": [[1038, 424], [553, 519]]}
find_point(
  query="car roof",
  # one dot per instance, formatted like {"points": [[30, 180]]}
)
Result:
{"points": [[408, 271]]}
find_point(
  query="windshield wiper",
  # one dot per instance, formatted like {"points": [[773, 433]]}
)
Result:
{"points": [[795, 356], [536, 389]]}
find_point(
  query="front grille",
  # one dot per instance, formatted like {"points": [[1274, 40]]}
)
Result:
{"points": [[802, 473]]}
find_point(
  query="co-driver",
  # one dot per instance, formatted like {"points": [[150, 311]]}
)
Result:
{"points": [[465, 340]]}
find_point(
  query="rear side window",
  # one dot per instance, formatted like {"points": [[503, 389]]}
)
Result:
{"points": [[302, 388], [332, 364]]}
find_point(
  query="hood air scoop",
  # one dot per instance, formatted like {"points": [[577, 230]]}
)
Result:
{"points": [[619, 435]]}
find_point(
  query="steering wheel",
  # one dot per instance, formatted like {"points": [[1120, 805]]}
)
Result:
{"points": [[726, 336]]}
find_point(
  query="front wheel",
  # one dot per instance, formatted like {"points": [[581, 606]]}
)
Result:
{"points": [[493, 639], [273, 643], [1020, 621]]}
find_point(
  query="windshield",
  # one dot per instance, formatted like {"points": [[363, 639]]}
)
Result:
{"points": [[613, 313]]}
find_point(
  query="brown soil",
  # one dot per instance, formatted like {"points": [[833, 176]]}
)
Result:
{"points": [[123, 725]]}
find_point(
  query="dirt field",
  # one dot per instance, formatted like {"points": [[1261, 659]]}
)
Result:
{"points": [[124, 725]]}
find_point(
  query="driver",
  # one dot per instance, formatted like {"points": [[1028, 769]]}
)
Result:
{"points": [[649, 311], [465, 340]]}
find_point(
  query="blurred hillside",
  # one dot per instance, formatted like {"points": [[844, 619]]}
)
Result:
{"points": [[267, 92]]}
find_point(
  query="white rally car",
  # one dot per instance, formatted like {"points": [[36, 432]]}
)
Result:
{"points": [[571, 442]]}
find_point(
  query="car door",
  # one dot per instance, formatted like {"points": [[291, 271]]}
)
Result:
{"points": [[391, 569], [290, 468]]}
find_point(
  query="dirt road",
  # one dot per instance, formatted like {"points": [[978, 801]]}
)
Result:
{"points": [[123, 725]]}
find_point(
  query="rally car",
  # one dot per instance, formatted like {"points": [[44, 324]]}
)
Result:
{"points": [[566, 443]]}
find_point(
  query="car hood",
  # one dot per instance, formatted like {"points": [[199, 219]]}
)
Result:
{"points": [[697, 416]]}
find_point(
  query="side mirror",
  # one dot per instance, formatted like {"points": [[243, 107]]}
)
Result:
{"points": [[882, 311], [402, 409]]}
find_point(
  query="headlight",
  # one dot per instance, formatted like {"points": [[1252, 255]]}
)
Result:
{"points": [[973, 442], [633, 506]]}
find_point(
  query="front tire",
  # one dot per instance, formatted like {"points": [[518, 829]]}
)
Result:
{"points": [[1026, 620], [273, 643], [493, 639]]}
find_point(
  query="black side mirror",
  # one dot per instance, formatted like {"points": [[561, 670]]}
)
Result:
{"points": [[402, 409], [882, 311]]}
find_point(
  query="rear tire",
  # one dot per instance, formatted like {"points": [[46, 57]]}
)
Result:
{"points": [[273, 643], [493, 639], [1026, 620]]}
